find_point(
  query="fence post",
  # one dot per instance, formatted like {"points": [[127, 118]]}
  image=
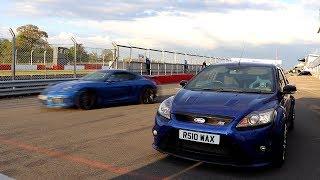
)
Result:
{"points": [[45, 63], [31, 57], [165, 68], [148, 51], [75, 57], [130, 59], [13, 63], [141, 69], [117, 58], [16, 56]]}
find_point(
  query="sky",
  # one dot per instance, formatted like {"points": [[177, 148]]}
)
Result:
{"points": [[283, 29]]}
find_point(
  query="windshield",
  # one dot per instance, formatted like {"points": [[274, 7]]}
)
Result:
{"points": [[96, 76], [249, 79]]}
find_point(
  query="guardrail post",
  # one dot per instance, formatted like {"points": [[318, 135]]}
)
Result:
{"points": [[13, 63]]}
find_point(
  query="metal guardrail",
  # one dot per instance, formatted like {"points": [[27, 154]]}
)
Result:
{"points": [[24, 87]]}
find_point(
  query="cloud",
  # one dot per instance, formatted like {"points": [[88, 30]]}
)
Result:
{"points": [[4, 32], [213, 27], [96, 41], [128, 9], [210, 30]]}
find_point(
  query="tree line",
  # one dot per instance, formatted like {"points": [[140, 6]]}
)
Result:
{"points": [[30, 38]]}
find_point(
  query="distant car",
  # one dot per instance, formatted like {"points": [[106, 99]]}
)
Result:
{"points": [[305, 73], [100, 88], [234, 114]]}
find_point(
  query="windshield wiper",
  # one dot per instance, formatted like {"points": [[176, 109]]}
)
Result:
{"points": [[230, 90], [258, 91], [218, 90]]}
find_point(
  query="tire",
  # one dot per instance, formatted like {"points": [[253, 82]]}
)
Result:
{"points": [[86, 100], [280, 151], [147, 96]]}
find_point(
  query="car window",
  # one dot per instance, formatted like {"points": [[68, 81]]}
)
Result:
{"points": [[96, 76], [282, 80], [116, 77], [235, 78], [284, 77]]}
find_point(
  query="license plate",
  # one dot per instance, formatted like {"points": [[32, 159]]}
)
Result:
{"points": [[42, 97], [199, 137]]}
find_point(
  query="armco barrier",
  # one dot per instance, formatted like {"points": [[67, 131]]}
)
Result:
{"points": [[167, 79], [25, 87]]}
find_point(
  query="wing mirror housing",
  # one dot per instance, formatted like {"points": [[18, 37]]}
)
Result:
{"points": [[183, 83], [289, 89]]}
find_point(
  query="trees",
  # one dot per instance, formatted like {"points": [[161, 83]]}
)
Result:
{"points": [[82, 55], [30, 36], [5, 51]]}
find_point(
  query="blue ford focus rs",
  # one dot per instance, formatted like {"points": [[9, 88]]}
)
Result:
{"points": [[100, 88], [235, 114]]}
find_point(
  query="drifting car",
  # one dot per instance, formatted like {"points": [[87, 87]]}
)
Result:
{"points": [[235, 114], [100, 88]]}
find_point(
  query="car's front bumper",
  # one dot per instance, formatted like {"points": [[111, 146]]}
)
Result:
{"points": [[56, 101], [241, 149]]}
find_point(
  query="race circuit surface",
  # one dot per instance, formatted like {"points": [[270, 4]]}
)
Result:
{"points": [[115, 142]]}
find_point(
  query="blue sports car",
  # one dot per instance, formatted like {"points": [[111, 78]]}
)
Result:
{"points": [[100, 88], [234, 114]]}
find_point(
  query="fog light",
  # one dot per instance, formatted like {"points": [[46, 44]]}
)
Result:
{"points": [[155, 132], [263, 148]]}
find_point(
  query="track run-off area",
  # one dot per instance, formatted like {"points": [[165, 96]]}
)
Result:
{"points": [[115, 142]]}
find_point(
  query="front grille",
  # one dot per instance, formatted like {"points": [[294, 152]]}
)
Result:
{"points": [[209, 119], [204, 148], [226, 152]]}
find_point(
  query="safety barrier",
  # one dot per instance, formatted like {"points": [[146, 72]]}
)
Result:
{"points": [[171, 78], [25, 87]]}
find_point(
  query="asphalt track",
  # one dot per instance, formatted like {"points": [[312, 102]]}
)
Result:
{"points": [[115, 142]]}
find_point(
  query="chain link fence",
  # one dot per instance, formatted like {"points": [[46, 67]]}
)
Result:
{"points": [[160, 62], [41, 60]]}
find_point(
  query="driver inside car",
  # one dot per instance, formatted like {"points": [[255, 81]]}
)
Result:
{"points": [[261, 84]]}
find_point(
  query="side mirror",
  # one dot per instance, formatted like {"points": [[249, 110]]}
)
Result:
{"points": [[289, 89], [183, 83]]}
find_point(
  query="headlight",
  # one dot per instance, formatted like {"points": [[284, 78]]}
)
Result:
{"points": [[257, 118], [165, 108]]}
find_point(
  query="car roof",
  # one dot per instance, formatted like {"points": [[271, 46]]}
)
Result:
{"points": [[114, 70], [252, 64]]}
